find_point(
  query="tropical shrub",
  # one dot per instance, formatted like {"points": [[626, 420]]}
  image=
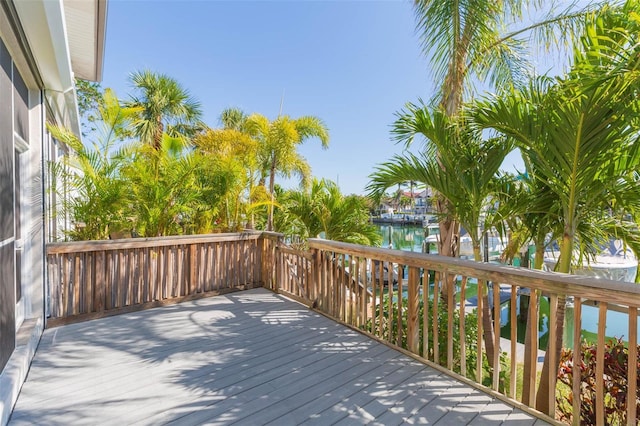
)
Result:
{"points": [[616, 382], [390, 328], [87, 182], [324, 212]]}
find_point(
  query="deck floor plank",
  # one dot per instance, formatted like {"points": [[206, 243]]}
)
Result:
{"points": [[251, 357]]}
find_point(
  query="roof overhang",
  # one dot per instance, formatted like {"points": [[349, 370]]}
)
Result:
{"points": [[64, 35], [86, 29]]}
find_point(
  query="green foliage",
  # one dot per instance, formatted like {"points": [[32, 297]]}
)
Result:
{"points": [[466, 42], [456, 161], [323, 212], [178, 177], [391, 328], [88, 180], [106, 188], [278, 142], [616, 382], [165, 190], [164, 107], [89, 95], [577, 133]]}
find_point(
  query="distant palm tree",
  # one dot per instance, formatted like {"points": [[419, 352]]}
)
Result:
{"points": [[233, 118], [323, 212], [278, 147], [165, 107]]}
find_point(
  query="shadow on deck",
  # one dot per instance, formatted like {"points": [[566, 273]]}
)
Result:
{"points": [[251, 357]]}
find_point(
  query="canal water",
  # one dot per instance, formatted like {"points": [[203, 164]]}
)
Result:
{"points": [[411, 237]]}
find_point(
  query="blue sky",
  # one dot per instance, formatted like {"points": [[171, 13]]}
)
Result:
{"points": [[352, 64]]}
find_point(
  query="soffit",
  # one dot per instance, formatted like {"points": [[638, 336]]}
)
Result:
{"points": [[86, 32]]}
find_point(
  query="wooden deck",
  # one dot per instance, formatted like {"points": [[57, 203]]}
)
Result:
{"points": [[250, 357]]}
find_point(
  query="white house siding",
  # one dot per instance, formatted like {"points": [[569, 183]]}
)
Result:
{"points": [[35, 75], [21, 241]]}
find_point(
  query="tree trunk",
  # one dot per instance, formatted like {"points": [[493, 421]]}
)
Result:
{"points": [[487, 324], [526, 397], [272, 183], [542, 398], [447, 242], [564, 265], [157, 136]]}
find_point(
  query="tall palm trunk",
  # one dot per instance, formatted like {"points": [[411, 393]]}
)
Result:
{"points": [[487, 324], [447, 243], [564, 265], [526, 397], [452, 90], [272, 181], [157, 134]]}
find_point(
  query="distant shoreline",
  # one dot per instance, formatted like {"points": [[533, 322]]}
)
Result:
{"points": [[421, 220]]}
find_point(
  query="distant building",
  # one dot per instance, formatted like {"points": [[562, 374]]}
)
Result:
{"points": [[423, 202], [44, 44]]}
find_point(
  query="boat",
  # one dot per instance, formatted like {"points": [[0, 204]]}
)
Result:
{"points": [[615, 262]]}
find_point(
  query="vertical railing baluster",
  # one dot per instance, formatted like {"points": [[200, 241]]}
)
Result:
{"points": [[602, 324], [462, 330], [450, 279], [362, 291], [425, 313], [632, 363], [413, 332], [434, 318], [495, 362], [551, 351], [513, 336], [400, 302], [533, 306], [479, 313], [360, 294], [577, 359]]}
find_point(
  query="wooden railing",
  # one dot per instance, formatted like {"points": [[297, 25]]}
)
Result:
{"points": [[418, 309], [409, 300], [92, 278]]}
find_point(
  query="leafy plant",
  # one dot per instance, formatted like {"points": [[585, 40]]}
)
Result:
{"points": [[87, 182], [616, 382], [390, 328], [323, 212]]}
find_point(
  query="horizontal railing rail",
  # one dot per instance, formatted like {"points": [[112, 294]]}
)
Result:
{"points": [[93, 278], [420, 303], [448, 312]]}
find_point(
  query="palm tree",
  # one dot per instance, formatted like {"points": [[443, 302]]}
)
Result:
{"points": [[323, 212], [233, 118], [235, 153], [165, 106], [279, 140], [165, 187], [463, 40], [93, 173], [451, 145], [579, 135]]}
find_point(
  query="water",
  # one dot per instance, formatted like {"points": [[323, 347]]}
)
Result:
{"points": [[407, 238], [411, 237]]}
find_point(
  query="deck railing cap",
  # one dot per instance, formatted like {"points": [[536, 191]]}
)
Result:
{"points": [[593, 288]]}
